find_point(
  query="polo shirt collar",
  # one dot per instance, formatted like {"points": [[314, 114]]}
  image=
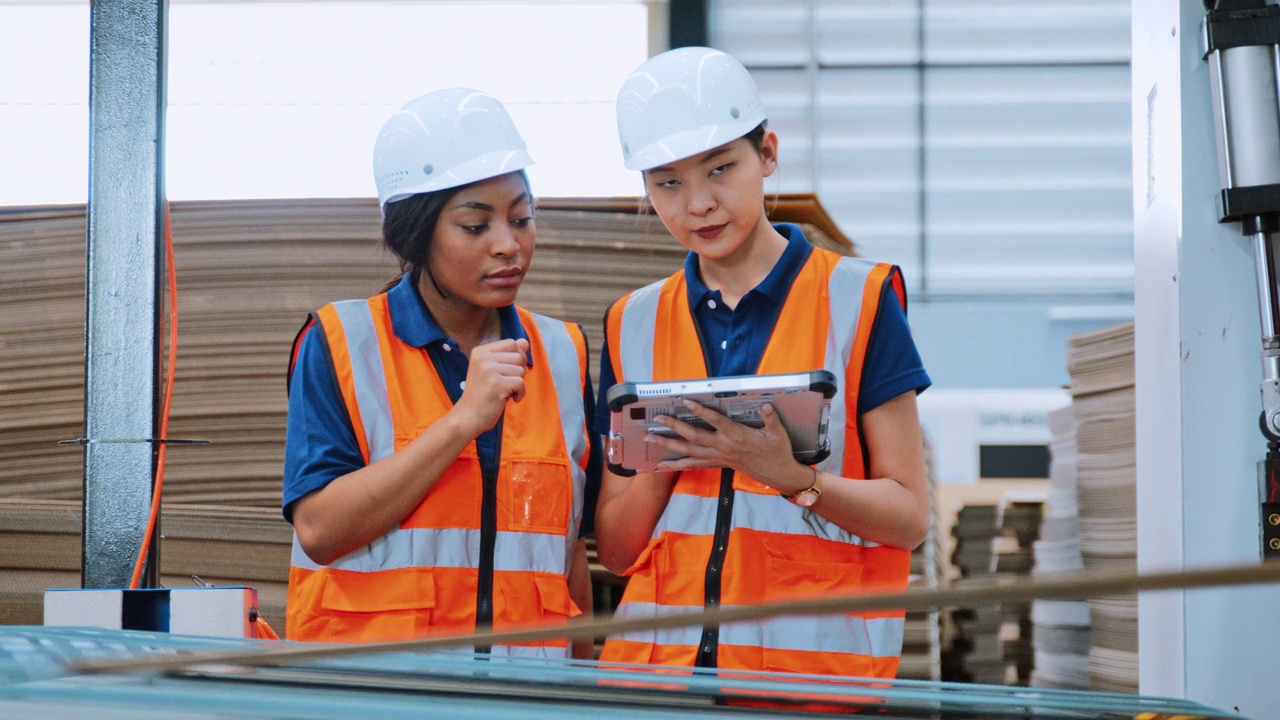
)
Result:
{"points": [[776, 284], [413, 325]]}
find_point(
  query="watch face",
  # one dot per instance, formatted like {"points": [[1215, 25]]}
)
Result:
{"points": [[807, 498]]}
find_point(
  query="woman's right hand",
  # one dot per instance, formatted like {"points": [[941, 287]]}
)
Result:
{"points": [[495, 374]]}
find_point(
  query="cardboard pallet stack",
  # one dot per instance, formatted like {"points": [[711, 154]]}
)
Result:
{"points": [[1102, 388], [1061, 627], [992, 539]]}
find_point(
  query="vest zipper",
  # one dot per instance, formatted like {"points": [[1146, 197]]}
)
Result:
{"points": [[488, 541], [709, 646]]}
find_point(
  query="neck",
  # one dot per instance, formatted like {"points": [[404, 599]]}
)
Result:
{"points": [[470, 325], [737, 274]]}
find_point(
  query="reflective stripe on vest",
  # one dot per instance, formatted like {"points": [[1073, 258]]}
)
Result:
{"points": [[433, 555], [776, 550], [448, 547], [569, 377], [365, 356], [696, 515], [830, 633]]}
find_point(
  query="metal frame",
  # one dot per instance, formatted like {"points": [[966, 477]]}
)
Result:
{"points": [[127, 98]]}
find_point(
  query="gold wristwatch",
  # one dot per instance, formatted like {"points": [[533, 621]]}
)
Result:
{"points": [[808, 496]]}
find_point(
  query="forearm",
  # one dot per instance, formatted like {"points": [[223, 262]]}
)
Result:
{"points": [[580, 590], [628, 511], [358, 507], [881, 510]]}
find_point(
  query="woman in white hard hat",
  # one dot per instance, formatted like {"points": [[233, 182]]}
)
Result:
{"points": [[739, 521], [437, 452]]}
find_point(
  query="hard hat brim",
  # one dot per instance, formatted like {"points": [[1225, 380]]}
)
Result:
{"points": [[688, 143], [484, 167]]}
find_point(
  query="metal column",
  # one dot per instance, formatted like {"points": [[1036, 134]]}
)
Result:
{"points": [[127, 79]]}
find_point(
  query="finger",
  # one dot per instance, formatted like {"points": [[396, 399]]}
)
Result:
{"points": [[721, 422], [685, 430], [689, 463], [772, 423], [507, 356], [510, 369], [684, 448], [518, 395]]}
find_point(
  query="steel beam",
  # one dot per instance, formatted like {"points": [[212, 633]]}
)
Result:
{"points": [[127, 80]]}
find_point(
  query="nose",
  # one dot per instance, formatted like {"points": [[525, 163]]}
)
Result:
{"points": [[505, 242], [701, 200]]}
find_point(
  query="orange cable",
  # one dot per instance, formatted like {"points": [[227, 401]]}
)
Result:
{"points": [[168, 398]]}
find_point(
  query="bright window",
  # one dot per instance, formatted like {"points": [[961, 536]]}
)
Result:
{"points": [[285, 99]]}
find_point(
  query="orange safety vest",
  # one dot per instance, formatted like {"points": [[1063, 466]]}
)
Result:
{"points": [[726, 539], [477, 549]]}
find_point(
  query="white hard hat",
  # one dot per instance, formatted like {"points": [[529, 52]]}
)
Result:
{"points": [[684, 102], [445, 139]]}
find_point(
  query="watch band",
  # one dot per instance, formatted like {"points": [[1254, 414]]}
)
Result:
{"points": [[813, 487]]}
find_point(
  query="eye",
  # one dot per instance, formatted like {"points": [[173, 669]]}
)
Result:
{"points": [[475, 229], [667, 183], [720, 169], [523, 222]]}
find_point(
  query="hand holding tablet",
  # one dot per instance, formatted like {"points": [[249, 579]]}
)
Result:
{"points": [[802, 401]]}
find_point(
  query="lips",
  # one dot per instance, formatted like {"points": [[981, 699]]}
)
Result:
{"points": [[506, 278], [707, 232]]}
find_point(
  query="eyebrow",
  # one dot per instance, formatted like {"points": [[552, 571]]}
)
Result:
{"points": [[485, 207], [710, 156]]}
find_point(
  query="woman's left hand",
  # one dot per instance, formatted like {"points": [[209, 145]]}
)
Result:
{"points": [[763, 453]]}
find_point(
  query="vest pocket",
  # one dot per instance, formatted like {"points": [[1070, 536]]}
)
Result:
{"points": [[538, 497], [824, 645], [387, 605], [554, 598]]}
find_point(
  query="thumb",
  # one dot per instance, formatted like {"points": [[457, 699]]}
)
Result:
{"points": [[523, 345], [772, 422]]}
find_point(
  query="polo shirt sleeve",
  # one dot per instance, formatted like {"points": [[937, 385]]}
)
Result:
{"points": [[320, 444], [893, 365]]}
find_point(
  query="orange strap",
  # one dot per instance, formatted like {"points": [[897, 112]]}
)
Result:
{"points": [[263, 631]]}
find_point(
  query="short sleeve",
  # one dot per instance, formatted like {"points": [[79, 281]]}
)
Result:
{"points": [[893, 365], [320, 444]]}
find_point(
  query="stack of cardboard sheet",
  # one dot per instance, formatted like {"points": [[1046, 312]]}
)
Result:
{"points": [[40, 548], [1102, 388], [994, 531], [1061, 634], [248, 274], [975, 654], [922, 641]]}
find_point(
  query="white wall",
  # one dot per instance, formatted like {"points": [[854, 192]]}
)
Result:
{"points": [[1197, 345], [958, 422]]}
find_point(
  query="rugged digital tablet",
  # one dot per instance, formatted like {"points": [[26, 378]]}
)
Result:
{"points": [[803, 402]]}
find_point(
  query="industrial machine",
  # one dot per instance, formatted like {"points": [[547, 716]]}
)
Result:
{"points": [[1241, 43]]}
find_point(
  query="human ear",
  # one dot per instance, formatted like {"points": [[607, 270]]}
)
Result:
{"points": [[769, 153]]}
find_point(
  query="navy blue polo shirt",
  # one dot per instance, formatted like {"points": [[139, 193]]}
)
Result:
{"points": [[320, 443], [736, 338]]}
